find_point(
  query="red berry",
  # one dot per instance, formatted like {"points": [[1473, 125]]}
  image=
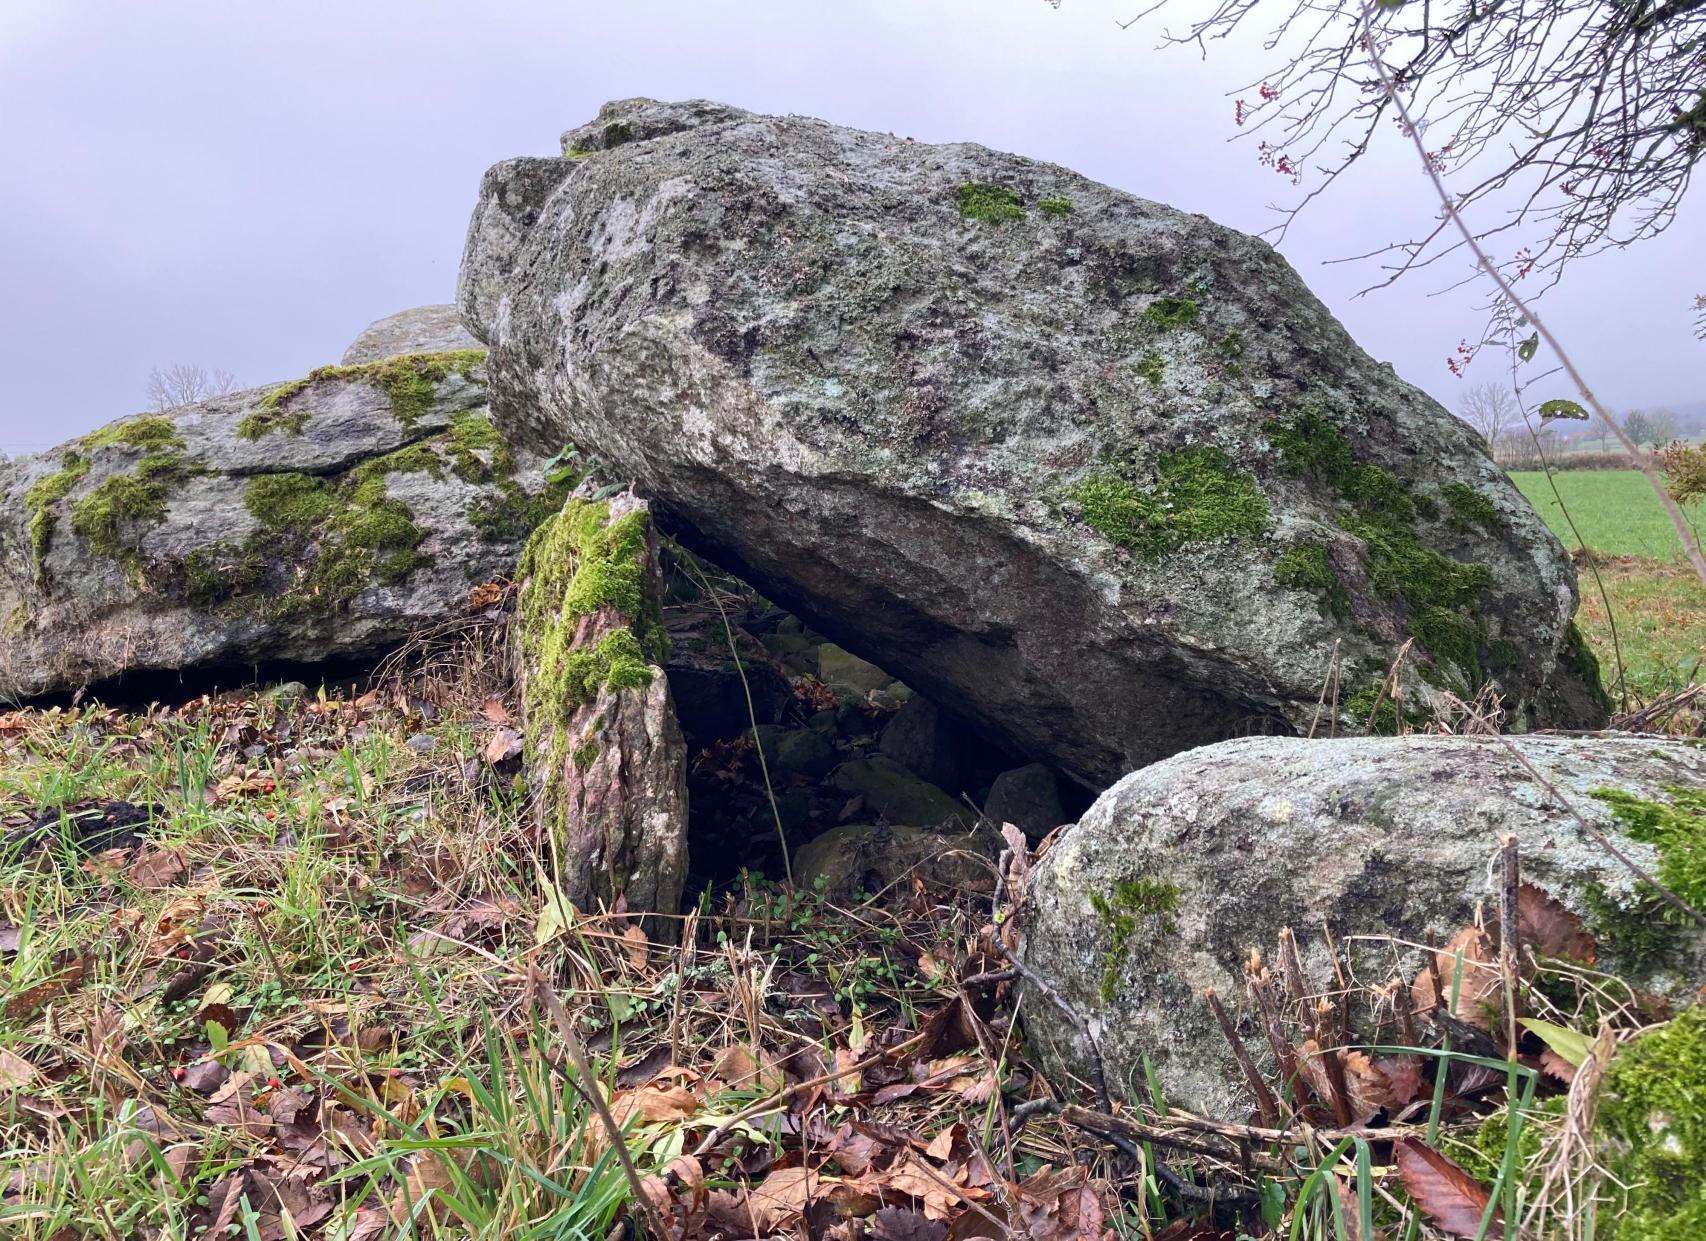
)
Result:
{"points": [[178, 1073]]}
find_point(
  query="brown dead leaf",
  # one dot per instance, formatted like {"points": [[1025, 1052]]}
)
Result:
{"points": [[156, 868], [504, 745], [25, 1003], [654, 1105], [1448, 1195], [1556, 1066], [1470, 963], [780, 1197], [1549, 929], [485, 595], [494, 710], [16, 1073], [903, 1224], [635, 944]]}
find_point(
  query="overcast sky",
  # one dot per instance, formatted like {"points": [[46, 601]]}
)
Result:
{"points": [[248, 185]]}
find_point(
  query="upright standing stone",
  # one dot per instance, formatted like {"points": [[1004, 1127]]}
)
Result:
{"points": [[607, 766]]}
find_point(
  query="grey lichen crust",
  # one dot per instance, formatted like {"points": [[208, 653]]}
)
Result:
{"points": [[1180, 870], [1109, 480], [321, 518]]}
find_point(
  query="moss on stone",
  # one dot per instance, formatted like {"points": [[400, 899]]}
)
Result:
{"points": [[290, 501], [1469, 507], [1232, 345], [40, 502], [1170, 312], [1152, 367], [148, 431], [511, 515], [1305, 566], [1198, 495], [1644, 929], [347, 534], [1578, 658], [1055, 206], [410, 380], [1126, 909], [123, 502], [215, 575], [586, 754], [1650, 1134], [477, 449], [992, 203], [579, 563], [616, 133], [1440, 593]]}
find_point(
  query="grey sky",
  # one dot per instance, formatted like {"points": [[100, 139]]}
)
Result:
{"points": [[248, 185]]}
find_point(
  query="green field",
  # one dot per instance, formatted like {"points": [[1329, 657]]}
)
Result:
{"points": [[1615, 510], [1657, 602]]}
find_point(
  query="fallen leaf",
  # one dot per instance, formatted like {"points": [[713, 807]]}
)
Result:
{"points": [[504, 745], [635, 943], [495, 711], [1470, 964], [903, 1224], [1448, 1195], [16, 1073], [156, 868], [780, 1197], [1551, 930]]}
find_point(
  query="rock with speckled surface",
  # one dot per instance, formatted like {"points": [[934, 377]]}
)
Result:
{"points": [[328, 518], [1102, 476], [423, 329], [1218, 848]]}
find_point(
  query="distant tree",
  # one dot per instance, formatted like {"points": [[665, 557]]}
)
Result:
{"points": [[1491, 410], [1653, 427], [183, 384], [1700, 316]]}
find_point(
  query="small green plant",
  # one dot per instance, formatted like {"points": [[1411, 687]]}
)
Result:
{"points": [[1130, 905], [1055, 206], [1152, 367], [993, 204], [1232, 345]]}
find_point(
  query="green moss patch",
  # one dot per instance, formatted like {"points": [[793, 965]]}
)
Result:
{"points": [[1055, 206], [109, 515], [1305, 566], [410, 380], [1440, 593], [40, 502], [1469, 507], [992, 203], [1169, 312], [1650, 1134], [1132, 905], [1645, 929], [1198, 495], [1152, 367]]}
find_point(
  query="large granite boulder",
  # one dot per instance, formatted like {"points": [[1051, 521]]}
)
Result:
{"points": [[327, 517], [424, 329], [1100, 475], [1179, 871]]}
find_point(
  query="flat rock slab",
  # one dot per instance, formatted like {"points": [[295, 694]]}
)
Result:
{"points": [[1099, 475], [326, 518], [1179, 871], [424, 329]]}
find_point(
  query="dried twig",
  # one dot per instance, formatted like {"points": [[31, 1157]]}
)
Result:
{"points": [[1265, 1105]]}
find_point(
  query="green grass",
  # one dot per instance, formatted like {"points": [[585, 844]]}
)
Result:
{"points": [[1615, 510], [1658, 603]]}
